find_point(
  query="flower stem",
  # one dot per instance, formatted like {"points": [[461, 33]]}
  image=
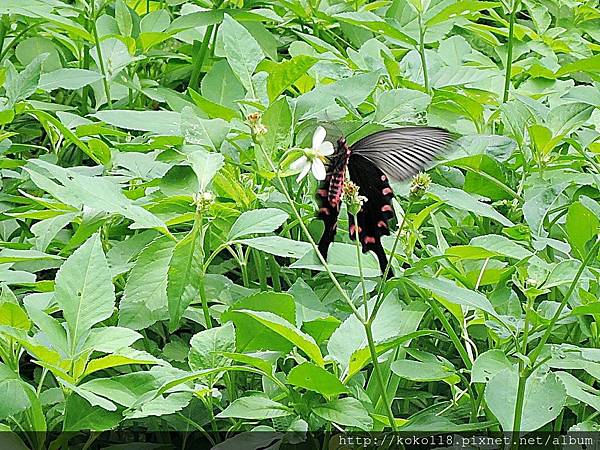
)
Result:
{"points": [[309, 237], [388, 267], [360, 268], [509, 53], [366, 324], [379, 376], [422, 53], [99, 51], [198, 61]]}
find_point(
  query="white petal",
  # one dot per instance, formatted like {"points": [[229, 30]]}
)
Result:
{"points": [[326, 148], [318, 169], [305, 170], [318, 137], [299, 163]]}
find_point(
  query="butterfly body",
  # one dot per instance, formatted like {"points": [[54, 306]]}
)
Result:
{"points": [[398, 153]]}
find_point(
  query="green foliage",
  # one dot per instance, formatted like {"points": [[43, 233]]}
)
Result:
{"points": [[158, 267]]}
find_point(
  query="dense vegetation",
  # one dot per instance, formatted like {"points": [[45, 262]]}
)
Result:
{"points": [[157, 265]]}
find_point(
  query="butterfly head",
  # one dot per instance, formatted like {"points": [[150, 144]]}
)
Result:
{"points": [[342, 146]]}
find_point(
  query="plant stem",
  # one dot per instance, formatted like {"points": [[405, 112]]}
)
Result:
{"points": [[452, 334], [366, 324], [99, 51], [198, 60], [379, 377], [360, 269], [388, 267], [509, 53], [309, 237], [523, 375], [422, 53]]}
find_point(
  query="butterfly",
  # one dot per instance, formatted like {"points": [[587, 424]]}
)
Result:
{"points": [[371, 162]]}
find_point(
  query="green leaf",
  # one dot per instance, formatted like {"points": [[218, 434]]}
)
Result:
{"points": [[99, 193], [463, 201], [283, 75], [398, 106], [9, 255], [579, 390], [184, 275], [115, 57], [205, 166], [249, 337], [145, 295], [155, 21], [20, 86], [544, 398], [374, 23], [278, 121], [288, 331], [581, 226], [241, 50], [68, 79], [12, 390], [345, 411], [317, 379], [111, 339], [123, 357], [567, 117], [123, 18], [12, 315], [488, 364], [255, 407], [84, 290], [221, 86], [424, 370], [212, 109], [501, 245], [207, 347], [209, 133], [158, 122], [461, 8], [349, 346], [257, 221], [276, 245], [590, 65], [341, 259], [80, 415], [448, 291]]}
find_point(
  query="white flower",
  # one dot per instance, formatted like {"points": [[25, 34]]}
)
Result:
{"points": [[313, 157]]}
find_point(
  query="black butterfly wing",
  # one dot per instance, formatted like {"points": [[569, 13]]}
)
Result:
{"points": [[402, 152], [376, 212]]}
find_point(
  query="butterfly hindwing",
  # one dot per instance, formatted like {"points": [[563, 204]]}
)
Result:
{"points": [[374, 216]]}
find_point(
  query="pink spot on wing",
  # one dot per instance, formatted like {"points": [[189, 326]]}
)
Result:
{"points": [[382, 224], [369, 240], [386, 191], [324, 211], [322, 192], [383, 178], [352, 230], [386, 208]]}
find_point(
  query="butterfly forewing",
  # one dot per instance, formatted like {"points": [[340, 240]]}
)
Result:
{"points": [[402, 152]]}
